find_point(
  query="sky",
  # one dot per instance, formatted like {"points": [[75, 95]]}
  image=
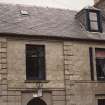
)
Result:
{"points": [[67, 4]]}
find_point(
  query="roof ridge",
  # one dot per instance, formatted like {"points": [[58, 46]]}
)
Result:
{"points": [[36, 6]]}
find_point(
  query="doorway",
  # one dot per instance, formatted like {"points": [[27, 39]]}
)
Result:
{"points": [[36, 101]]}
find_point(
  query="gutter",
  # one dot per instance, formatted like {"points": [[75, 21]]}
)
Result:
{"points": [[15, 35]]}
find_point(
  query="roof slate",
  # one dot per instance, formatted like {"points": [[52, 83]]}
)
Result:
{"points": [[40, 21]]}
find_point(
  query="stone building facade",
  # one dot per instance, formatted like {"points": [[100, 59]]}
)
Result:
{"points": [[70, 56]]}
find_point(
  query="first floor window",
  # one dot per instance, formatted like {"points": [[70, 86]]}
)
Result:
{"points": [[100, 63], [101, 101], [97, 63], [35, 62]]}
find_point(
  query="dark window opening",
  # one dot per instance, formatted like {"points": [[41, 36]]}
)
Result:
{"points": [[94, 23], [101, 101], [35, 62], [100, 63], [91, 63]]}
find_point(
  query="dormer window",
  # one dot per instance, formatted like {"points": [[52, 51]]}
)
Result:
{"points": [[94, 21], [90, 19]]}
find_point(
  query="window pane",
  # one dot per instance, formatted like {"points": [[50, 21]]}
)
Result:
{"points": [[94, 25], [100, 54], [100, 68], [93, 16]]}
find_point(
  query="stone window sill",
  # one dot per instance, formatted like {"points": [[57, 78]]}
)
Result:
{"points": [[36, 81]]}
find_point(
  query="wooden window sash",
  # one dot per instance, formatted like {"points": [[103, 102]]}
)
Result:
{"points": [[99, 22]]}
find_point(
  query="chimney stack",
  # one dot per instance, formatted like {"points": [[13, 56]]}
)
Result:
{"points": [[96, 1]]}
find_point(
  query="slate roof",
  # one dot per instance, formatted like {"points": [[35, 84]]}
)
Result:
{"points": [[40, 21]]}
